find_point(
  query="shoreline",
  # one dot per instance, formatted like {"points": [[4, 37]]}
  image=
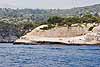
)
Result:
{"points": [[37, 40], [34, 37], [52, 43], [6, 42]]}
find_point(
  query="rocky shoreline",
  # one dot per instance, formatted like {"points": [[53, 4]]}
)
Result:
{"points": [[52, 43], [91, 38], [63, 41]]}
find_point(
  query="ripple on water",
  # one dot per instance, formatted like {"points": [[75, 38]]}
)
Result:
{"points": [[49, 56]]}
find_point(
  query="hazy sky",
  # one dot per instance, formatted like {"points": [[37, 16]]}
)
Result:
{"points": [[45, 4]]}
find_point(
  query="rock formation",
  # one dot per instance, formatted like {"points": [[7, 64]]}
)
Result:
{"points": [[61, 35]]}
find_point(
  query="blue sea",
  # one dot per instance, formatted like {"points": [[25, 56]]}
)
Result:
{"points": [[48, 55]]}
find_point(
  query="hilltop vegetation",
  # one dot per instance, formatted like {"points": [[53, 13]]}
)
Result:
{"points": [[41, 15]]}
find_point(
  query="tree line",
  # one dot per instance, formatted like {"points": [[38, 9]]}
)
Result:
{"points": [[21, 28]]}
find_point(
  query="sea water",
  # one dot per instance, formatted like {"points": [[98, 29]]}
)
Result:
{"points": [[48, 56]]}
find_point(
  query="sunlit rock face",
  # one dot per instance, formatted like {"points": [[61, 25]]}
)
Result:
{"points": [[95, 35], [96, 29], [58, 31], [73, 35]]}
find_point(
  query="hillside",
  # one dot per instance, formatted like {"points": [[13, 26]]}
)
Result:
{"points": [[15, 23], [39, 15]]}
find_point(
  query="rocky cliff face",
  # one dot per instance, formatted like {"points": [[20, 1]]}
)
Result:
{"points": [[59, 32], [8, 39], [92, 37], [8, 35]]}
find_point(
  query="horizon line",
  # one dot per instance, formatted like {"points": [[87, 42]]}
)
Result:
{"points": [[52, 8]]}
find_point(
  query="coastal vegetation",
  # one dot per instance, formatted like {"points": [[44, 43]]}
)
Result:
{"points": [[17, 22], [21, 28]]}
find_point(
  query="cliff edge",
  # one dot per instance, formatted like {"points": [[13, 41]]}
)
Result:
{"points": [[64, 35]]}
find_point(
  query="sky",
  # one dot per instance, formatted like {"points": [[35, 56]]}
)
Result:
{"points": [[46, 4]]}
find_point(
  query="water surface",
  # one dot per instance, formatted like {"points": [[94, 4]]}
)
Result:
{"points": [[49, 56]]}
